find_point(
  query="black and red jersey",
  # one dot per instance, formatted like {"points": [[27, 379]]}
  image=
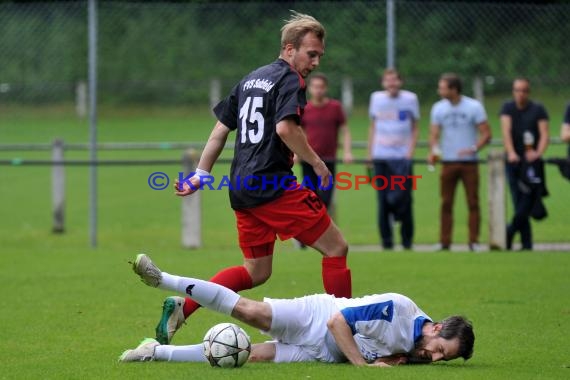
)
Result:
{"points": [[262, 162]]}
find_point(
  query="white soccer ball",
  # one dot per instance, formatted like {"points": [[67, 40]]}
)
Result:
{"points": [[226, 345]]}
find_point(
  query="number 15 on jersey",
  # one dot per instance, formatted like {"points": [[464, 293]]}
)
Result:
{"points": [[252, 122]]}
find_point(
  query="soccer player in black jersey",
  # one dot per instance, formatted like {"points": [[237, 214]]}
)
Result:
{"points": [[264, 109]]}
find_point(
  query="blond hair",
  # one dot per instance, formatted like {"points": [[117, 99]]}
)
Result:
{"points": [[297, 27]]}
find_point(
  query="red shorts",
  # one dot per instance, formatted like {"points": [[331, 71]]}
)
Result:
{"points": [[297, 213]]}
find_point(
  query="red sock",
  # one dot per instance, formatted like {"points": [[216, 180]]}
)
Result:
{"points": [[234, 278], [336, 277]]}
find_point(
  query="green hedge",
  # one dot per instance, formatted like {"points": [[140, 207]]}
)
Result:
{"points": [[166, 53]]}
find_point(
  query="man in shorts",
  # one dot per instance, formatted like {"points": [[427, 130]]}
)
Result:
{"points": [[265, 110], [378, 330]]}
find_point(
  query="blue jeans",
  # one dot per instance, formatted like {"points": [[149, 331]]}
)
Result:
{"points": [[401, 211], [522, 205]]}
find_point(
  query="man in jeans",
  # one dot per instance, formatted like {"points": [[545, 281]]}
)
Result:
{"points": [[392, 140], [525, 134], [456, 120]]}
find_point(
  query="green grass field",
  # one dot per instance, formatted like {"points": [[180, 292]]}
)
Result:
{"points": [[69, 311]]}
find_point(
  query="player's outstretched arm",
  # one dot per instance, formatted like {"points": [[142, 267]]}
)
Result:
{"points": [[214, 146], [390, 361], [212, 151], [293, 136], [343, 336]]}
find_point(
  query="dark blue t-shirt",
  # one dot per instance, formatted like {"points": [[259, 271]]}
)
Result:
{"points": [[567, 121], [524, 120], [262, 162]]}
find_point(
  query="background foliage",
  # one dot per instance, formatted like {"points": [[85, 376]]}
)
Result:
{"points": [[167, 52]]}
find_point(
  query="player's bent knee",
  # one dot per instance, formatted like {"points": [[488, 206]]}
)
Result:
{"points": [[338, 249], [332, 243], [259, 269], [254, 313], [343, 247]]}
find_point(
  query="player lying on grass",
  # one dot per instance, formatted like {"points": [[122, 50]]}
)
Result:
{"points": [[379, 330]]}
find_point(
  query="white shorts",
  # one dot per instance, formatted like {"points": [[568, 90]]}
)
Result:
{"points": [[300, 327]]}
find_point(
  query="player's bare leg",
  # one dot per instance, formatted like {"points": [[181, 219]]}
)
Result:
{"points": [[262, 352], [336, 275], [259, 269], [331, 243], [253, 313]]}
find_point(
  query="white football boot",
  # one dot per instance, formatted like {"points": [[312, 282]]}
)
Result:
{"points": [[144, 352], [171, 320], [145, 268]]}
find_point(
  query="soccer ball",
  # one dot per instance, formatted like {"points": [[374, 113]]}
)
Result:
{"points": [[226, 345]]}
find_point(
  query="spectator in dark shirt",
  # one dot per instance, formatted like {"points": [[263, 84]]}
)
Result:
{"points": [[525, 135], [323, 120]]}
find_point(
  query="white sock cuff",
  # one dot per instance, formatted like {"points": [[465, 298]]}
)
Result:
{"points": [[169, 282], [162, 353], [228, 302], [191, 353]]}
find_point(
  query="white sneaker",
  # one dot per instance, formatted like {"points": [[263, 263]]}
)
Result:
{"points": [[440, 247], [171, 320], [475, 247], [144, 352], [145, 268]]}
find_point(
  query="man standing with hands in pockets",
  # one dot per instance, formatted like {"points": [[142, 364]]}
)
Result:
{"points": [[392, 138]]}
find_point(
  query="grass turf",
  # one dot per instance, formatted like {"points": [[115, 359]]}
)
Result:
{"points": [[124, 189], [69, 311]]}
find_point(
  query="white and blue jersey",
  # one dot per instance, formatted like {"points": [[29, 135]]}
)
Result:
{"points": [[382, 325]]}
